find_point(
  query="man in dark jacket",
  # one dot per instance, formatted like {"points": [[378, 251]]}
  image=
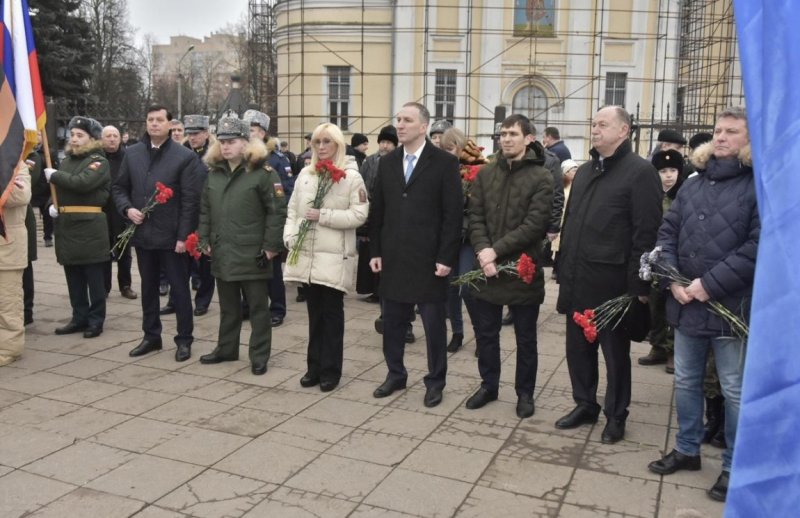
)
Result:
{"points": [[415, 231], [552, 141], [160, 238], [612, 217], [259, 129], [38, 186], [710, 236], [112, 146], [360, 144], [509, 210]]}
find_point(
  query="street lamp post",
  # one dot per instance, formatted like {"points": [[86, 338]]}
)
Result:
{"points": [[180, 82]]}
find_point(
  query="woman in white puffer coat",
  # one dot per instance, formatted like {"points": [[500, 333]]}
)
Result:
{"points": [[327, 260]]}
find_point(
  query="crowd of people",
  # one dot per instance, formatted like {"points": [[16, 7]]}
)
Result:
{"points": [[238, 213]]}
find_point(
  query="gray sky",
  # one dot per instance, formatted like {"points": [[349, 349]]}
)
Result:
{"points": [[197, 18]]}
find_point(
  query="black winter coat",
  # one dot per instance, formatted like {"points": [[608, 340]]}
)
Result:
{"points": [[116, 223], [177, 168], [416, 225], [711, 232], [612, 217]]}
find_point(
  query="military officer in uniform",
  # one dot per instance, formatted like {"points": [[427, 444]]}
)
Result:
{"points": [[83, 184], [259, 129], [242, 213]]}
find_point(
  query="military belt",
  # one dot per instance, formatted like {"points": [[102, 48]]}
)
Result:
{"points": [[75, 209]]}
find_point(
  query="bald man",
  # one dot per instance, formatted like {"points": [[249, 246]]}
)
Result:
{"points": [[112, 145]]}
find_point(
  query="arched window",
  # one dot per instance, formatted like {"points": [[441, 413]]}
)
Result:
{"points": [[531, 101]]}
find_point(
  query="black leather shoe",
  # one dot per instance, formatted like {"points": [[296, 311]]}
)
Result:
{"points": [[481, 398], [379, 325], [167, 310], [276, 321], [455, 342], [213, 357], [328, 385], [183, 353], [92, 332], [387, 388], [432, 397], [163, 289], [656, 356], [70, 328], [199, 311], [719, 491], [525, 406], [258, 368], [410, 338], [580, 415], [613, 432], [309, 380], [128, 293], [145, 347], [675, 461]]}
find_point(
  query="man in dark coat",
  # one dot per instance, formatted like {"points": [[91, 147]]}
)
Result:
{"points": [[38, 185], [112, 146], [160, 238], [509, 210], [415, 232], [612, 217], [552, 141], [710, 235]]}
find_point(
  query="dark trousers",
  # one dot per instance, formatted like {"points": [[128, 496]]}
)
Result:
{"points": [[87, 293], [124, 262], [230, 319], [396, 319], [583, 369], [277, 290], [487, 335], [206, 282], [176, 269], [28, 292], [47, 222], [325, 332]]}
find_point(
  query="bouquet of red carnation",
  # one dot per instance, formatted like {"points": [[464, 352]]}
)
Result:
{"points": [[160, 196], [195, 246], [524, 268], [328, 174], [609, 312], [468, 175]]}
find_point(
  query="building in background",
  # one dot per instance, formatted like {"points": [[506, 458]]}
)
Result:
{"points": [[355, 62]]}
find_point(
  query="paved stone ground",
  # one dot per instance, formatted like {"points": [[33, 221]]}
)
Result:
{"points": [[87, 431]]}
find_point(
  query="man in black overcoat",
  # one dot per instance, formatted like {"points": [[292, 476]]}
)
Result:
{"points": [[612, 217], [415, 233], [160, 236]]}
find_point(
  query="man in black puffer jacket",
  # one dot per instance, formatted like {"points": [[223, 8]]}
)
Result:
{"points": [[710, 235], [612, 217], [160, 237]]}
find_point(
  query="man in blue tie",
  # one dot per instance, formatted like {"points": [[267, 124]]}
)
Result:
{"points": [[415, 233]]}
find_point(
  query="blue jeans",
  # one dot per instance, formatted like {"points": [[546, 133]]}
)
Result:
{"points": [[690, 364], [466, 262]]}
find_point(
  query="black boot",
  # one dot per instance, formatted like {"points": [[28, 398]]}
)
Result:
{"points": [[714, 409], [718, 440]]}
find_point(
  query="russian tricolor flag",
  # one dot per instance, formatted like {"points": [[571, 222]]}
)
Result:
{"points": [[22, 109]]}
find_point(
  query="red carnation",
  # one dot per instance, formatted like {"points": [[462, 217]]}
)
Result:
{"points": [[192, 240], [163, 193], [526, 269], [590, 333]]}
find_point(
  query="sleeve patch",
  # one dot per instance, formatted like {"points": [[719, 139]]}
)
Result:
{"points": [[362, 196], [94, 166], [278, 188]]}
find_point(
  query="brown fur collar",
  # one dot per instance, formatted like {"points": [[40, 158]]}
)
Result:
{"points": [[703, 154], [255, 154], [92, 147]]}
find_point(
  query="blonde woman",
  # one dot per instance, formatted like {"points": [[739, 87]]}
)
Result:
{"points": [[327, 256]]}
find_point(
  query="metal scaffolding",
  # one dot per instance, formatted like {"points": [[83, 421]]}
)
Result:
{"points": [[261, 57]]}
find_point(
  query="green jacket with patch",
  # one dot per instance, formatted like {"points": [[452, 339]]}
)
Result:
{"points": [[242, 213], [82, 180]]}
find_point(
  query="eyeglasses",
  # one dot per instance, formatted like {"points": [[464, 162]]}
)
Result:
{"points": [[324, 141]]}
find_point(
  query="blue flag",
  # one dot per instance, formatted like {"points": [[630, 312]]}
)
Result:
{"points": [[765, 479]]}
